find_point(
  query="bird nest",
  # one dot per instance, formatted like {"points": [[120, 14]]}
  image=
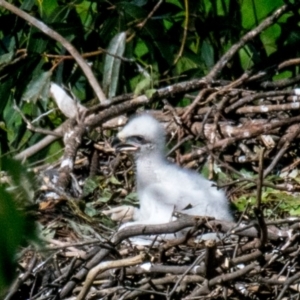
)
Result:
{"points": [[83, 256], [80, 260]]}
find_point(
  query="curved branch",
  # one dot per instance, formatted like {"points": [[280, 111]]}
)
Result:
{"points": [[56, 36], [246, 38]]}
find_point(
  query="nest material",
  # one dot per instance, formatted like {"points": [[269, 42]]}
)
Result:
{"points": [[85, 259], [253, 262], [224, 124]]}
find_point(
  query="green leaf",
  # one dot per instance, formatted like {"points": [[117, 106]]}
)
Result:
{"points": [[207, 52], [15, 226], [47, 7], [184, 64], [90, 210], [90, 184], [114, 181], [295, 211], [112, 64], [131, 199], [155, 30], [6, 58], [38, 87], [84, 12], [143, 85], [37, 41], [175, 2], [5, 92], [131, 11], [12, 229], [149, 93], [140, 49], [257, 8]]}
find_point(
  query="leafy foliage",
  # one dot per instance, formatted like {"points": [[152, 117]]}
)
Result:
{"points": [[16, 192], [29, 59]]}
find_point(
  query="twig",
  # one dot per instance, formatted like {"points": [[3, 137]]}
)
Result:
{"points": [[21, 279], [245, 39], [43, 143], [185, 29], [246, 134], [126, 262], [288, 63], [260, 178], [281, 152], [34, 129], [56, 36], [223, 278]]}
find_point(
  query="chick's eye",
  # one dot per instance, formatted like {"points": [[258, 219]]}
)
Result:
{"points": [[138, 139]]}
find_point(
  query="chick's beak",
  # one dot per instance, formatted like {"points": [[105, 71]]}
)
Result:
{"points": [[123, 145]]}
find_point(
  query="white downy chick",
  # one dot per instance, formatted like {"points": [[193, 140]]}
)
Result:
{"points": [[164, 187]]}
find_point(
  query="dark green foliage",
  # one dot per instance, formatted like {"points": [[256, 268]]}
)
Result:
{"points": [[16, 227], [152, 44]]}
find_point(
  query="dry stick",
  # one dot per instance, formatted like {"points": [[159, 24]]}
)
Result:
{"points": [[195, 268], [263, 231], [62, 129], [165, 269], [183, 275], [229, 87], [43, 143], [21, 279], [257, 210], [172, 227], [68, 57], [291, 166], [123, 234], [126, 262], [246, 38], [33, 128], [289, 243], [198, 98], [223, 278], [220, 106], [245, 135], [111, 112], [287, 284], [101, 106], [166, 280], [56, 36], [288, 63], [74, 136], [187, 138], [268, 108], [210, 258], [116, 110], [281, 151], [279, 84], [72, 141], [250, 98], [217, 116], [205, 118], [260, 178], [142, 24], [155, 8], [89, 54], [280, 281], [185, 29]]}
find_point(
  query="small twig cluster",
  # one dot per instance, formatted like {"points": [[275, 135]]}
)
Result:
{"points": [[242, 264]]}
